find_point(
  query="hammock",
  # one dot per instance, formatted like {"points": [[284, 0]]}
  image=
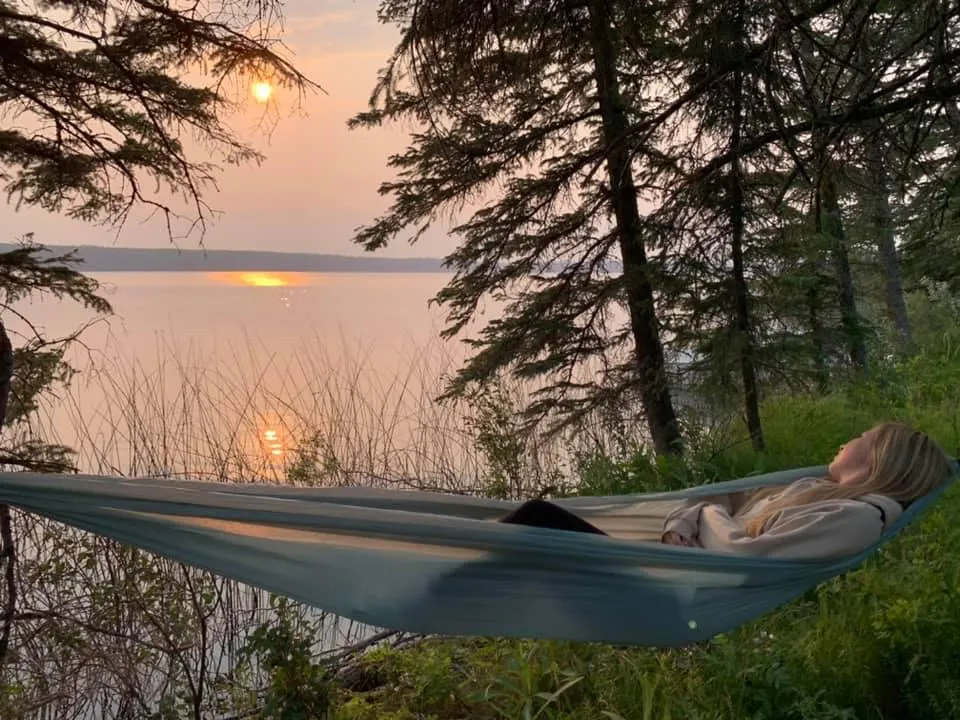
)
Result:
{"points": [[431, 563]]}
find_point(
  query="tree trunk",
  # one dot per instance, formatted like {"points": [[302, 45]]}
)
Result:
{"points": [[878, 193], [741, 296], [8, 548], [650, 358], [878, 199], [821, 375], [830, 224]]}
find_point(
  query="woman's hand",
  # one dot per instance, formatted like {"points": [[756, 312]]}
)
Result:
{"points": [[675, 538]]}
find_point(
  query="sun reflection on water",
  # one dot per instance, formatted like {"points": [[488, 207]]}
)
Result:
{"points": [[273, 443], [260, 279]]}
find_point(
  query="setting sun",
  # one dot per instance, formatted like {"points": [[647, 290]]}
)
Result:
{"points": [[262, 91]]}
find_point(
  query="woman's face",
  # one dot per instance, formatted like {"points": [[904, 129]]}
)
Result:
{"points": [[852, 462]]}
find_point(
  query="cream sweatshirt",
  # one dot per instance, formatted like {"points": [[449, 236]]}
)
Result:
{"points": [[825, 529]]}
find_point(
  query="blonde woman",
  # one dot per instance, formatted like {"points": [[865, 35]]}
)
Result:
{"points": [[870, 481]]}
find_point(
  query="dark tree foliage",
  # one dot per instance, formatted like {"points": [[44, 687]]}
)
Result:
{"points": [[526, 106], [739, 120], [716, 218], [102, 99], [27, 372], [926, 178]]}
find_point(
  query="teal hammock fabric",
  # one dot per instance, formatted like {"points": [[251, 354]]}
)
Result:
{"points": [[433, 563]]}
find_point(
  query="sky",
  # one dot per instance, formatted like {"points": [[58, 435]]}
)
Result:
{"points": [[319, 180]]}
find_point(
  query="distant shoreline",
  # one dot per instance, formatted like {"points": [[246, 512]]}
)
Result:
{"points": [[124, 259]]}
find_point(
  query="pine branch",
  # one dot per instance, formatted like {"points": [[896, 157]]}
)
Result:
{"points": [[842, 120], [108, 110]]}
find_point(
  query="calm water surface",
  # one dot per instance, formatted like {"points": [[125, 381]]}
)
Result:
{"points": [[195, 369], [247, 359]]}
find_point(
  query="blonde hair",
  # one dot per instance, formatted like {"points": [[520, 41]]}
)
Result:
{"points": [[905, 465]]}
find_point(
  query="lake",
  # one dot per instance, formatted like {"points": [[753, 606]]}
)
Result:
{"points": [[252, 361], [228, 376], [237, 375]]}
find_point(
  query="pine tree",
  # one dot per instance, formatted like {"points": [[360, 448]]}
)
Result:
{"points": [[719, 206], [926, 150], [527, 106], [548, 120]]}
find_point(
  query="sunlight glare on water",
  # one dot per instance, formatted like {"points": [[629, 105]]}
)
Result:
{"points": [[260, 279], [273, 444]]}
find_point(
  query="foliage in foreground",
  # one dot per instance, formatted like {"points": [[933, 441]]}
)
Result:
{"points": [[107, 631], [880, 642]]}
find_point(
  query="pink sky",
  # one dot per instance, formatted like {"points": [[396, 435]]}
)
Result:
{"points": [[319, 181]]}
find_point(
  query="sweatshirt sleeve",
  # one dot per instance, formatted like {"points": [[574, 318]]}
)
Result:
{"points": [[685, 518], [822, 530]]}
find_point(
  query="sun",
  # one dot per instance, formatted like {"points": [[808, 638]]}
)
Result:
{"points": [[262, 91]]}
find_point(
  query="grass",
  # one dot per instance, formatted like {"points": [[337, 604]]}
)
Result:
{"points": [[343, 419], [882, 642]]}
